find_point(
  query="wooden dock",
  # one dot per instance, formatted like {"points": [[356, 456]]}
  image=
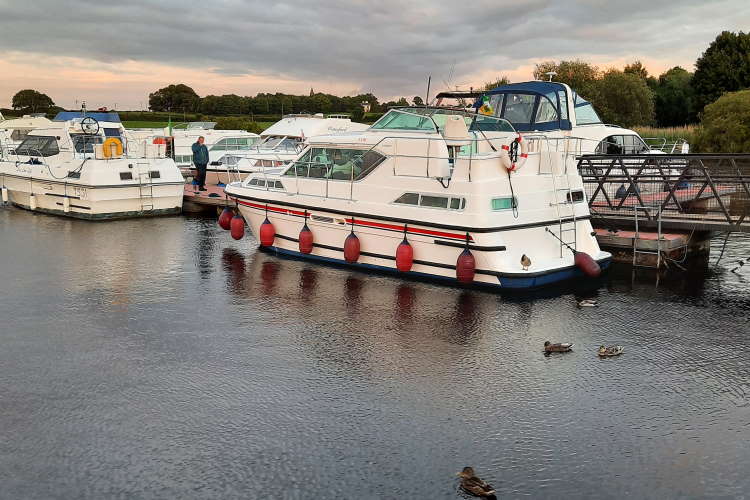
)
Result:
{"points": [[213, 200]]}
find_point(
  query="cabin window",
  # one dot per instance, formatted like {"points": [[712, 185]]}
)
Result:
{"points": [[431, 201], [563, 104], [126, 176], [278, 185], [74, 174], [112, 132], [408, 199], [84, 143], [38, 145], [622, 145], [518, 108], [233, 144], [335, 164], [546, 111], [584, 111], [504, 203], [575, 196], [154, 174]]}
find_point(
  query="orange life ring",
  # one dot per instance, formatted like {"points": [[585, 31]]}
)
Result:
{"points": [[112, 147], [519, 149]]}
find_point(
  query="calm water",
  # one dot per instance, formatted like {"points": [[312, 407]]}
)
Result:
{"points": [[162, 359]]}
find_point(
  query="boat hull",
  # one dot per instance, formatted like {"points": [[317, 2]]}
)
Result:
{"points": [[435, 257], [94, 203], [503, 282]]}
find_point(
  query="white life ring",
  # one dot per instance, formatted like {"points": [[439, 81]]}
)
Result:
{"points": [[521, 151]]}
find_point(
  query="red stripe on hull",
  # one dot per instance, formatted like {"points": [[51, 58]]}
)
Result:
{"points": [[360, 222]]}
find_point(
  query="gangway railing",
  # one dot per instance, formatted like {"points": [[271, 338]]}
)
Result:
{"points": [[689, 191]]}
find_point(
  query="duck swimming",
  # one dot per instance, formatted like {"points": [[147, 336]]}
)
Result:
{"points": [[472, 485], [549, 347], [614, 350], [587, 303]]}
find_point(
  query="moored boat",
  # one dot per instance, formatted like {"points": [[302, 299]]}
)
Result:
{"points": [[435, 192], [86, 168]]}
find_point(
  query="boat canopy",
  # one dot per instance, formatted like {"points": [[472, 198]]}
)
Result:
{"points": [[536, 106], [64, 116]]}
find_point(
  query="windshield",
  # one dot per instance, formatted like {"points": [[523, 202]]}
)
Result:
{"points": [[38, 145], [433, 120], [280, 143], [397, 119]]}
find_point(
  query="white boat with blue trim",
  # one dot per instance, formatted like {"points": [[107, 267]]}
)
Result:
{"points": [[86, 168], [440, 193]]}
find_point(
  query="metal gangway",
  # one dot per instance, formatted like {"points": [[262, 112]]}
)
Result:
{"points": [[688, 192]]}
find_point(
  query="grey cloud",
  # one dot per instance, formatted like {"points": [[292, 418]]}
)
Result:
{"points": [[388, 46]]}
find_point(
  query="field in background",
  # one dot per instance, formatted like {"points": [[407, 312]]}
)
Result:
{"points": [[671, 134]]}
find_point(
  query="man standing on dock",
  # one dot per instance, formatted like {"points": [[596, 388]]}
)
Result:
{"points": [[200, 160]]}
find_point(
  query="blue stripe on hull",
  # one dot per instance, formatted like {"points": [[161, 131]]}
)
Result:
{"points": [[505, 283]]}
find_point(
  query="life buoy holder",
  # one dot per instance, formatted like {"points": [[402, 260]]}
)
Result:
{"points": [[516, 154], [112, 147]]}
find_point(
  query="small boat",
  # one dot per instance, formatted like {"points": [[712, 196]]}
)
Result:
{"points": [[606, 352], [549, 347]]}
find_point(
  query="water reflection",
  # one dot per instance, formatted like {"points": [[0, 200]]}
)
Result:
{"points": [[165, 342]]}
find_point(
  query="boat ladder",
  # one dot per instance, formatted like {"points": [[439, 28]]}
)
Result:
{"points": [[566, 213], [636, 237], [145, 186]]}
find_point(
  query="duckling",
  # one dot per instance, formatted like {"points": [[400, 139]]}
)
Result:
{"points": [[549, 347], [587, 303], [472, 485], [525, 262]]}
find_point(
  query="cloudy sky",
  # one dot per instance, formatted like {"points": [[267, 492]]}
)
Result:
{"points": [[109, 52]]}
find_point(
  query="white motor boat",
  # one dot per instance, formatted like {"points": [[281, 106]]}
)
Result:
{"points": [[218, 142], [280, 143], [86, 168], [438, 193]]}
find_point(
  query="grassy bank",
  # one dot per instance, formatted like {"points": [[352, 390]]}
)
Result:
{"points": [[671, 134]]}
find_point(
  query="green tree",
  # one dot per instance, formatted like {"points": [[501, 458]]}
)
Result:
{"points": [[237, 123], [579, 75], [624, 99], [638, 69], [674, 99], [723, 67], [31, 101], [176, 98], [497, 82], [417, 101], [725, 125]]}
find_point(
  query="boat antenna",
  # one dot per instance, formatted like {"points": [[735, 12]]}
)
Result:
{"points": [[550, 74], [427, 96]]}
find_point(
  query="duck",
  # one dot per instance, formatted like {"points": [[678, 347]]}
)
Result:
{"points": [[472, 485], [549, 347], [614, 350], [525, 262], [587, 303]]}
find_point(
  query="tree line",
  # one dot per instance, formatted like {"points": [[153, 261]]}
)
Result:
{"points": [[631, 96], [628, 97]]}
